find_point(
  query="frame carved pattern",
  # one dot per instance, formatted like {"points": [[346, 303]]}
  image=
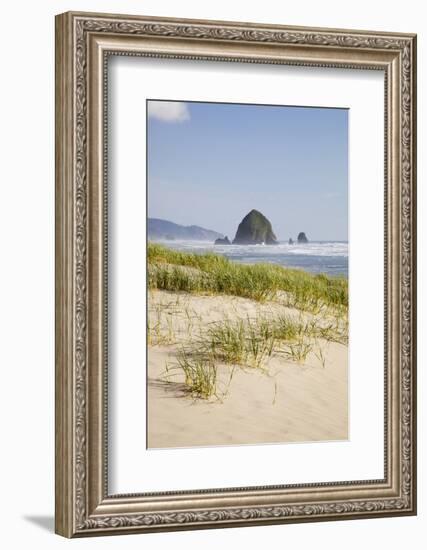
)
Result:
{"points": [[86, 523]]}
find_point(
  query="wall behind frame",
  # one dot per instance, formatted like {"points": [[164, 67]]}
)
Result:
{"points": [[27, 272]]}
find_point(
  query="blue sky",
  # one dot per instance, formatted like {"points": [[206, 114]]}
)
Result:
{"points": [[209, 164]]}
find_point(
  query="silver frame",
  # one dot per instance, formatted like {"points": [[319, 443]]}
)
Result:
{"points": [[83, 43]]}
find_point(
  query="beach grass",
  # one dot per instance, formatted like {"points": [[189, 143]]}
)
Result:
{"points": [[319, 316], [214, 274], [238, 343], [200, 374], [250, 343]]}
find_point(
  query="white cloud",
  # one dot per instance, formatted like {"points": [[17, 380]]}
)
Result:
{"points": [[168, 111]]}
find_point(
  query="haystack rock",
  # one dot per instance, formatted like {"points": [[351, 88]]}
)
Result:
{"points": [[255, 228], [302, 238]]}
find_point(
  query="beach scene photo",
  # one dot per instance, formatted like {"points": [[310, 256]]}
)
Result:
{"points": [[247, 274]]}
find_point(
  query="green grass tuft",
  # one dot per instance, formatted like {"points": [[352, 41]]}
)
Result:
{"points": [[200, 374]]}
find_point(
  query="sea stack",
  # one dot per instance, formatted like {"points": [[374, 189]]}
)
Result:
{"points": [[255, 228], [302, 238], [226, 240]]}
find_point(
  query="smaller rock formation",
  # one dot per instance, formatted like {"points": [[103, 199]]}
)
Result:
{"points": [[226, 240], [302, 238], [290, 241]]}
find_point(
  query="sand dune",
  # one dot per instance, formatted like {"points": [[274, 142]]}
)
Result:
{"points": [[287, 402]]}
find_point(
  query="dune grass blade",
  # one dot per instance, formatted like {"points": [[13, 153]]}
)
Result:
{"points": [[226, 341], [200, 374], [298, 351], [238, 343]]}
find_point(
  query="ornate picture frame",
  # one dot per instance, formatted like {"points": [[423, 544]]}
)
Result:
{"points": [[84, 506]]}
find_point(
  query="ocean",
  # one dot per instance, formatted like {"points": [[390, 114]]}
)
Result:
{"points": [[330, 257]]}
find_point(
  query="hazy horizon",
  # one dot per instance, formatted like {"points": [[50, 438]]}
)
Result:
{"points": [[233, 234], [209, 164]]}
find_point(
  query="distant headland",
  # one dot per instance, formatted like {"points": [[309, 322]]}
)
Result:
{"points": [[166, 230]]}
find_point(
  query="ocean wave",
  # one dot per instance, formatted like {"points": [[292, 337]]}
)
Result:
{"points": [[315, 248], [316, 257]]}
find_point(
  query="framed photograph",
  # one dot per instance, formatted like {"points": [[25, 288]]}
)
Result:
{"points": [[235, 274]]}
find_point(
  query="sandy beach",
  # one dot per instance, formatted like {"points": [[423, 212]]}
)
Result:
{"points": [[281, 401]]}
